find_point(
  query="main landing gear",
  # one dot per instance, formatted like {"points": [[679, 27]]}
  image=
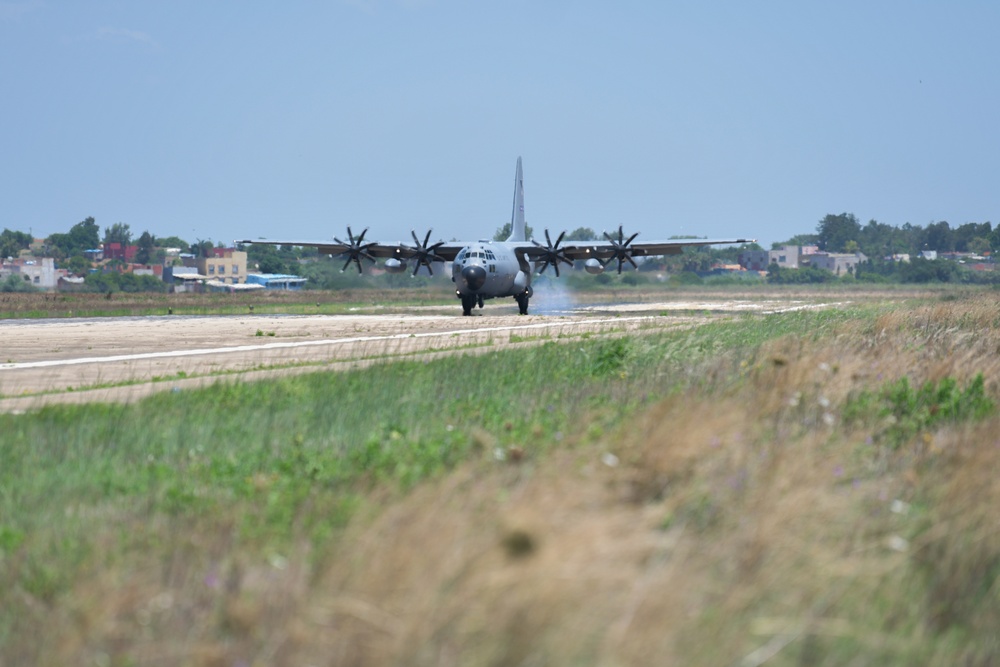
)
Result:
{"points": [[522, 301], [522, 304]]}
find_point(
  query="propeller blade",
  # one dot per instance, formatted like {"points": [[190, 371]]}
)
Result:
{"points": [[551, 254], [356, 250]]}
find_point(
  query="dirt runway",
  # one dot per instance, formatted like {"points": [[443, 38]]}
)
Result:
{"points": [[125, 358]]}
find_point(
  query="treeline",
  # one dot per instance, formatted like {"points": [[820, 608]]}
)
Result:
{"points": [[877, 270], [844, 233], [880, 242]]}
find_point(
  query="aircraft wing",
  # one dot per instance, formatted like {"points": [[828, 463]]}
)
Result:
{"points": [[605, 250], [404, 251]]}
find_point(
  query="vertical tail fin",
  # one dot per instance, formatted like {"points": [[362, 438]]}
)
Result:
{"points": [[517, 215]]}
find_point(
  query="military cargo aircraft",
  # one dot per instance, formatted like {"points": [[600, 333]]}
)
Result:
{"points": [[486, 269]]}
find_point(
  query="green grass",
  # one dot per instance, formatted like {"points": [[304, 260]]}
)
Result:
{"points": [[263, 451], [901, 411], [248, 472]]}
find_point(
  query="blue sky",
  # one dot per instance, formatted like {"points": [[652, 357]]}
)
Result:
{"points": [[292, 120]]}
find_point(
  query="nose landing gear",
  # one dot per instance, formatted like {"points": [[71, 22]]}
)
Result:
{"points": [[469, 302]]}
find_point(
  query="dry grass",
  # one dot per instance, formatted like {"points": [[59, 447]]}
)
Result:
{"points": [[742, 522], [70, 304]]}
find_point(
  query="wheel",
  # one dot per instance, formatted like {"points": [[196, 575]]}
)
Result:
{"points": [[468, 303], [522, 304]]}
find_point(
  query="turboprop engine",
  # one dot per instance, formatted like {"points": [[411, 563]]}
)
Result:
{"points": [[393, 265]]}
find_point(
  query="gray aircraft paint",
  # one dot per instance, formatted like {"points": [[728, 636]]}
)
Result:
{"points": [[483, 270]]}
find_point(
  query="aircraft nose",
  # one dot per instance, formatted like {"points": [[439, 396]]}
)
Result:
{"points": [[474, 277]]}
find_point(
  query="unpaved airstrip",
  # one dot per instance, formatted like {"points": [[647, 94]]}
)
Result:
{"points": [[121, 359]]}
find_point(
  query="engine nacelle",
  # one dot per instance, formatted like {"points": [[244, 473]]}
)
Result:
{"points": [[522, 280], [393, 265], [594, 266]]}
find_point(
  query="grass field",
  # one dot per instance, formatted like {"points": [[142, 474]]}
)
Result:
{"points": [[815, 487], [67, 304], [438, 293]]}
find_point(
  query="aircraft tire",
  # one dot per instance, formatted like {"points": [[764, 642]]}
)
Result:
{"points": [[468, 303], [522, 304]]}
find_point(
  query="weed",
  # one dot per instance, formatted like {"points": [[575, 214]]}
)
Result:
{"points": [[610, 356], [905, 411]]}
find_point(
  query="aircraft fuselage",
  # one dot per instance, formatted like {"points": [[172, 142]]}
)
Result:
{"points": [[487, 270]]}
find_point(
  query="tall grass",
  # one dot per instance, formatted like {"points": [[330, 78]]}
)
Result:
{"points": [[701, 496]]}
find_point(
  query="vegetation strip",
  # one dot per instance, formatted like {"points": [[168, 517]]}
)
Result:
{"points": [[309, 343], [815, 486]]}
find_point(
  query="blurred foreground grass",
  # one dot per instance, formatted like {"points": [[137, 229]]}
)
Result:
{"points": [[783, 489]]}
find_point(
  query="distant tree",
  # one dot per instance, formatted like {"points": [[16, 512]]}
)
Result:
{"points": [[146, 246], [202, 248], [994, 239], [911, 238], [963, 235], [978, 245], [503, 233], [270, 264], [12, 242], [581, 234], [118, 233], [797, 240], [273, 259], [171, 242], [112, 281], [920, 270], [78, 265], [938, 236], [16, 283], [809, 274], [84, 235], [834, 231]]}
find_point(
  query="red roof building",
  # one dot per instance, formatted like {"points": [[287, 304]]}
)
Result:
{"points": [[116, 251]]}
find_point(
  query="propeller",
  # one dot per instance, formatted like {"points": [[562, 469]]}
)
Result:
{"points": [[551, 254], [356, 249], [620, 249], [422, 253]]}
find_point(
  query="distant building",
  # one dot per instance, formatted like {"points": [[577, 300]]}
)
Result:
{"points": [[787, 257], [118, 251], [217, 286], [39, 272], [277, 281], [184, 279], [839, 263], [797, 257], [146, 270], [71, 284], [226, 265]]}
